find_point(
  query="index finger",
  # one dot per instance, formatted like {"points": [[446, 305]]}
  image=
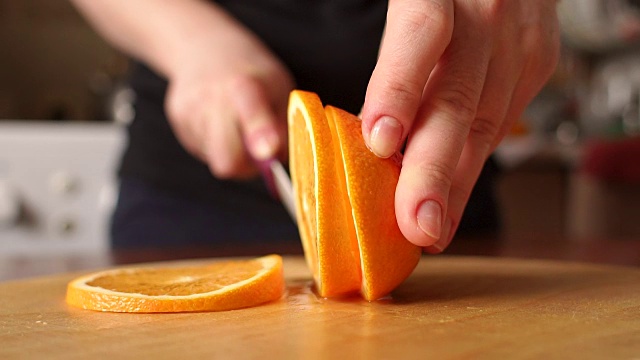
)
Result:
{"points": [[416, 36], [256, 116]]}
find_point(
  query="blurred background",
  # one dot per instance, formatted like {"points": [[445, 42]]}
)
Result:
{"points": [[569, 169]]}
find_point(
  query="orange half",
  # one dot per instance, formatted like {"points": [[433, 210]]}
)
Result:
{"points": [[345, 203]]}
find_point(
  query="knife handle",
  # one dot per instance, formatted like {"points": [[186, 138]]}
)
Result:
{"points": [[267, 176]]}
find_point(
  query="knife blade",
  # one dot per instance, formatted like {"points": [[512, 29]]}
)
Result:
{"points": [[284, 187], [278, 183]]}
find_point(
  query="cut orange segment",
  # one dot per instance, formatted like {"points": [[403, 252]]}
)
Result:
{"points": [[387, 257], [217, 286], [345, 203], [321, 213]]}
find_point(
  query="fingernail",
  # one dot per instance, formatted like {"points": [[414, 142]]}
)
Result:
{"points": [[430, 218], [438, 248], [264, 147], [443, 242], [385, 136]]}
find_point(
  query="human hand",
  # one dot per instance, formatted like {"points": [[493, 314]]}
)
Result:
{"points": [[452, 77], [227, 103], [227, 94]]}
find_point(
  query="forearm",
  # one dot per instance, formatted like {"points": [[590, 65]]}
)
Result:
{"points": [[163, 34]]}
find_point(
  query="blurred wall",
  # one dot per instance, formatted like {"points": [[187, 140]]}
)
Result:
{"points": [[53, 65]]}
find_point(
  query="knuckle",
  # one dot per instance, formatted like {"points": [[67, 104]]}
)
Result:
{"points": [[499, 7], [457, 100], [432, 15], [223, 170], [438, 174], [402, 89], [176, 110], [222, 161], [241, 83], [542, 54], [533, 39], [540, 42], [553, 54], [182, 103], [484, 130]]}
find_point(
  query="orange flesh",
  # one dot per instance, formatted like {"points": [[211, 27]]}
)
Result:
{"points": [[345, 200], [177, 282], [217, 286], [307, 197], [326, 238]]}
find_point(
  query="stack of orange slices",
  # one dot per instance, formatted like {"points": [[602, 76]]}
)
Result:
{"points": [[345, 203]]}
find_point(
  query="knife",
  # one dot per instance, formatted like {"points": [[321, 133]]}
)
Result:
{"points": [[284, 187], [279, 184]]}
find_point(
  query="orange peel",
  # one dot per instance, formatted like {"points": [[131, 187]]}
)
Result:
{"points": [[345, 203]]}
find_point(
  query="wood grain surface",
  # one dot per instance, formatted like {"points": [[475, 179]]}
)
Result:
{"points": [[451, 307]]}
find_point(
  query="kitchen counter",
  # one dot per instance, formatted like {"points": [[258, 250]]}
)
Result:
{"points": [[450, 307]]}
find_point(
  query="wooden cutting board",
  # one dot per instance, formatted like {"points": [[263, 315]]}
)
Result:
{"points": [[451, 307]]}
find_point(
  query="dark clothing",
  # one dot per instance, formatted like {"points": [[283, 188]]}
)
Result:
{"points": [[330, 47], [152, 218]]}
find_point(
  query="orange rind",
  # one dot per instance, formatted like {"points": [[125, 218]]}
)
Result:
{"points": [[217, 286], [345, 203]]}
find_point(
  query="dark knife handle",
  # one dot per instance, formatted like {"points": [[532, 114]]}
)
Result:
{"points": [[267, 175]]}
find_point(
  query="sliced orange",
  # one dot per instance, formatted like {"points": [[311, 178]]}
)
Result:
{"points": [[217, 286], [345, 203], [321, 211]]}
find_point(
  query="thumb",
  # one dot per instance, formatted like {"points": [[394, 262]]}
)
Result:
{"points": [[256, 117]]}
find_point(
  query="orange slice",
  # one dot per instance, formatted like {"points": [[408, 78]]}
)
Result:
{"points": [[345, 203], [321, 212], [212, 287]]}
